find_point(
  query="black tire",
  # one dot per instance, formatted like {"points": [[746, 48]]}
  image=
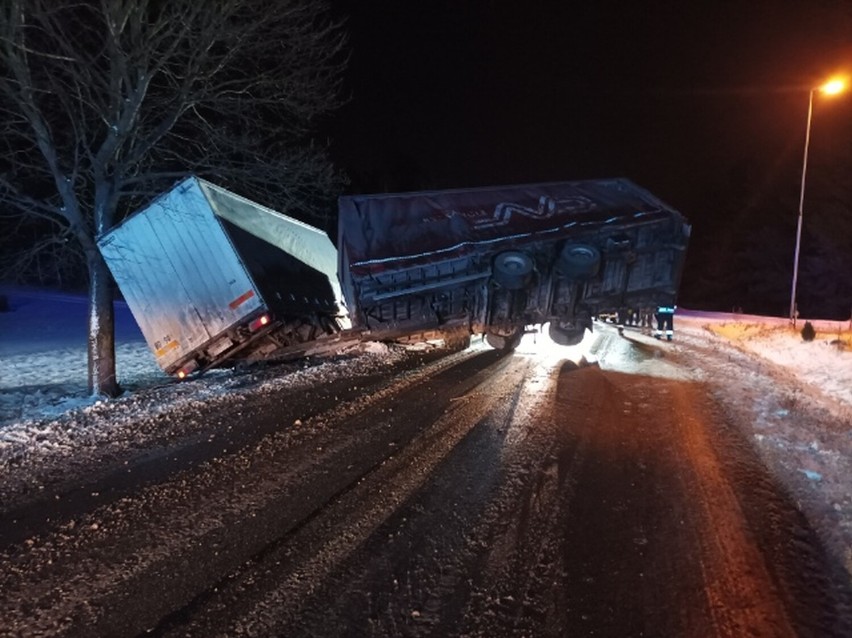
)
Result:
{"points": [[566, 337], [457, 340], [579, 261], [504, 343], [513, 269]]}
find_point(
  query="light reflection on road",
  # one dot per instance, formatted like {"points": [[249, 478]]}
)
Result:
{"points": [[630, 353]]}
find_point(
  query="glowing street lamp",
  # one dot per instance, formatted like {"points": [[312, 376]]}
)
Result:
{"points": [[832, 87]]}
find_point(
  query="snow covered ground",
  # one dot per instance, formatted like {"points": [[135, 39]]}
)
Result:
{"points": [[43, 354], [46, 417]]}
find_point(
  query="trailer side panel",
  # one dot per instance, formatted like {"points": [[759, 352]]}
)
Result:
{"points": [[498, 259]]}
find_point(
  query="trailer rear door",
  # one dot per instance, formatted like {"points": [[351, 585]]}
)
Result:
{"points": [[179, 273]]}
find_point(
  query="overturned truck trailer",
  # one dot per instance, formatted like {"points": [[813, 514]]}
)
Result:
{"points": [[211, 276], [495, 260]]}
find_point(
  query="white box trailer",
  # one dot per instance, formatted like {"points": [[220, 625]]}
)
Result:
{"points": [[210, 275]]}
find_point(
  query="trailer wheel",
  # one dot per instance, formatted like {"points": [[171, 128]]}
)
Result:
{"points": [[504, 343], [457, 340], [579, 261], [513, 269], [566, 337]]}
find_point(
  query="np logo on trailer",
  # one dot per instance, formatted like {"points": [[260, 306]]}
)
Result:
{"points": [[547, 207]]}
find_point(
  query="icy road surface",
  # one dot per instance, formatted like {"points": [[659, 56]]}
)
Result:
{"points": [[618, 493]]}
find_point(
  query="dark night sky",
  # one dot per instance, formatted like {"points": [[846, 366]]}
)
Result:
{"points": [[674, 95]]}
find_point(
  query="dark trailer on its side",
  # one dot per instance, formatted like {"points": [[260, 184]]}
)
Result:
{"points": [[495, 260]]}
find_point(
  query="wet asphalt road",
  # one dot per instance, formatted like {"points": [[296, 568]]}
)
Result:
{"points": [[473, 494]]}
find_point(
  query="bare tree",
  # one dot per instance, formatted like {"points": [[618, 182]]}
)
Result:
{"points": [[106, 103]]}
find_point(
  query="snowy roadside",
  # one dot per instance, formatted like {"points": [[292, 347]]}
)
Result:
{"points": [[824, 364], [43, 355], [794, 399]]}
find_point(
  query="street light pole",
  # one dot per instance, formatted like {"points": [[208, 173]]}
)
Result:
{"points": [[801, 207], [832, 87]]}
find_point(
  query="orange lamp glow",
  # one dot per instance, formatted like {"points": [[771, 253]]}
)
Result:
{"points": [[833, 86]]}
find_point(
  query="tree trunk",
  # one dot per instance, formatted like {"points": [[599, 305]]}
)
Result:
{"points": [[102, 379]]}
